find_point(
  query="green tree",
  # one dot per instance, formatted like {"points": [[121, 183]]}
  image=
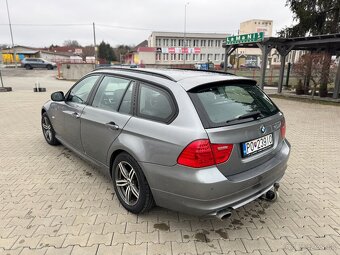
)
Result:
{"points": [[106, 52], [315, 17]]}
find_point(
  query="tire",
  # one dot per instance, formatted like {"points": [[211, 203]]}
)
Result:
{"points": [[28, 67], [135, 181], [48, 130], [49, 67]]}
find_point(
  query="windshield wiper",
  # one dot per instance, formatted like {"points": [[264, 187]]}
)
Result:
{"points": [[254, 115]]}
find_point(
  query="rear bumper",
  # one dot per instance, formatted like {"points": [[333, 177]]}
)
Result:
{"points": [[206, 191]]}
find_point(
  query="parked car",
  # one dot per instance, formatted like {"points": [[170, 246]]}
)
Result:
{"points": [[30, 63], [198, 142]]}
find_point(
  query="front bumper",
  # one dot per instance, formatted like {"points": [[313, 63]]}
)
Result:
{"points": [[207, 191]]}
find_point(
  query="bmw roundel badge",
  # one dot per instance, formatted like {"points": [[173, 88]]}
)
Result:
{"points": [[263, 129]]}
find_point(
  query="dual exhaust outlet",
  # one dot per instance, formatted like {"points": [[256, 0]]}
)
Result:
{"points": [[270, 195]]}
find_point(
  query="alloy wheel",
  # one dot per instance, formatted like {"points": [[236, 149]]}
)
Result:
{"points": [[127, 183], [47, 128]]}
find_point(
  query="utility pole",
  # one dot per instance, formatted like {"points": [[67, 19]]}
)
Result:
{"points": [[185, 32], [95, 44], [10, 29], [2, 83]]}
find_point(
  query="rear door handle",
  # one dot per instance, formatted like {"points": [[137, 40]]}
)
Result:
{"points": [[76, 115], [112, 125]]}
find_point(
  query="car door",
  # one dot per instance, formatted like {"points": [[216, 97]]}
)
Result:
{"points": [[104, 119], [72, 109], [36, 63]]}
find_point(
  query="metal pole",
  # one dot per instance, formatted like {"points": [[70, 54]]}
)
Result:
{"points": [[282, 70], [2, 83], [95, 44], [288, 73], [263, 65], [185, 31], [337, 83], [225, 59], [10, 29]]}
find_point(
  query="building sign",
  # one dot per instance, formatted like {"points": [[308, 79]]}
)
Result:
{"points": [[246, 38], [173, 50], [264, 30]]}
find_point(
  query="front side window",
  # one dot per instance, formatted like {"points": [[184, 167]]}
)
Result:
{"points": [[227, 104], [80, 92], [110, 93], [155, 104]]}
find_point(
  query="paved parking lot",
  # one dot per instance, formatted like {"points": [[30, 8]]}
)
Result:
{"points": [[52, 202]]}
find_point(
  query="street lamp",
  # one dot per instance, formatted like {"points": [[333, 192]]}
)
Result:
{"points": [[10, 29], [185, 31]]}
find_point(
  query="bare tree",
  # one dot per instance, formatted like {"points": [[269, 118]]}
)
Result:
{"points": [[312, 66]]}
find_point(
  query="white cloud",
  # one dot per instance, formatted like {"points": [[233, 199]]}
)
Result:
{"points": [[147, 15]]}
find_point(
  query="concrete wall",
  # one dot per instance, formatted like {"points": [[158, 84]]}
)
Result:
{"points": [[75, 71]]}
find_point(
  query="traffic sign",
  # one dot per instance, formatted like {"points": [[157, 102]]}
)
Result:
{"points": [[246, 38]]}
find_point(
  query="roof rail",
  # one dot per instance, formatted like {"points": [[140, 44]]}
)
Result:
{"points": [[136, 70], [199, 70]]}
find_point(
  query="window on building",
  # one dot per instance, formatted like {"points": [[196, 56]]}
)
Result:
{"points": [[210, 57], [202, 57], [188, 43], [203, 43], [222, 57], [180, 42], [158, 56], [210, 43], [187, 57], [195, 57], [173, 42], [218, 43], [158, 42], [166, 56], [196, 43], [180, 57], [173, 57], [217, 57], [165, 42]]}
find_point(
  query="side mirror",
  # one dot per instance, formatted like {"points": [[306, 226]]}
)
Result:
{"points": [[58, 96]]}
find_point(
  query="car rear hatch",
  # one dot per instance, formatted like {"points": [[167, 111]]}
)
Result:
{"points": [[238, 113]]}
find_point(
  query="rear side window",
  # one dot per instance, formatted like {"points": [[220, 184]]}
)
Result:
{"points": [[227, 104], [155, 104]]}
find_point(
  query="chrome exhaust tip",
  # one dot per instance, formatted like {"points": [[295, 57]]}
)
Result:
{"points": [[223, 214]]}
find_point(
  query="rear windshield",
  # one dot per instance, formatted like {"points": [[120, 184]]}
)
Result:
{"points": [[225, 104]]}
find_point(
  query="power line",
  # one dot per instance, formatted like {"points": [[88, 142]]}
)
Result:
{"points": [[108, 26], [46, 25]]}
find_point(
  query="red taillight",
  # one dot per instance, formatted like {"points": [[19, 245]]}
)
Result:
{"points": [[221, 152], [283, 129], [202, 153]]}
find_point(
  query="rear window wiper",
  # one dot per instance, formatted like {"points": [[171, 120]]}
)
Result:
{"points": [[254, 115]]}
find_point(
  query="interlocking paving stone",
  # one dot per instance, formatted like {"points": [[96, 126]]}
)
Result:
{"points": [[53, 202]]}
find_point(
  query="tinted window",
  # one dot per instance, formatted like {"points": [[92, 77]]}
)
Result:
{"points": [[110, 93], [154, 104], [126, 104], [225, 104], [81, 91]]}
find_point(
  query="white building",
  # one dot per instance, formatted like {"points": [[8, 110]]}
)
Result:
{"points": [[173, 48]]}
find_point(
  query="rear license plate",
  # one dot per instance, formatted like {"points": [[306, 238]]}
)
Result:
{"points": [[257, 145]]}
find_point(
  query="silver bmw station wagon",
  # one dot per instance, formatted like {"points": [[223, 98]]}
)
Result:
{"points": [[198, 142]]}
